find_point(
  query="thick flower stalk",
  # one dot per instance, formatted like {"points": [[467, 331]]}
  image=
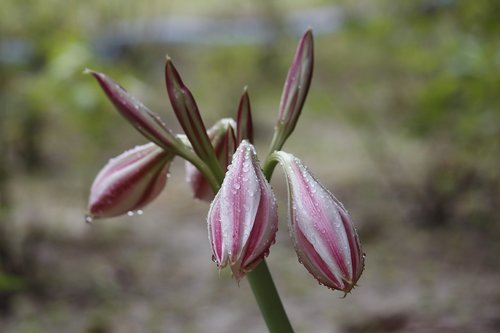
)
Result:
{"points": [[129, 181], [242, 220], [323, 234]]}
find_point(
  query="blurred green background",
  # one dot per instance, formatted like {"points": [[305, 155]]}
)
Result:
{"points": [[402, 123]]}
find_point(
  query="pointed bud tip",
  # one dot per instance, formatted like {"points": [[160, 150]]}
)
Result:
{"points": [[99, 76]]}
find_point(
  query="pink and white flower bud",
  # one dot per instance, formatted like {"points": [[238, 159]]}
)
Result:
{"points": [[323, 234], [223, 140], [129, 181], [242, 220]]}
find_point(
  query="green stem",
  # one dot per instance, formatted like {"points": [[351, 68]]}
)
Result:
{"points": [[260, 278], [281, 134], [216, 168], [268, 299], [262, 283], [269, 166], [205, 169]]}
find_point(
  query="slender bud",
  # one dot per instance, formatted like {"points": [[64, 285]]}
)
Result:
{"points": [[187, 113], [129, 181], [242, 220], [295, 90], [323, 234], [223, 140], [144, 120], [244, 123]]}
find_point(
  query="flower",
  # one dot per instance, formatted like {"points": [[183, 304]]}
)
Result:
{"points": [[223, 139], [242, 220], [129, 182], [322, 231]]}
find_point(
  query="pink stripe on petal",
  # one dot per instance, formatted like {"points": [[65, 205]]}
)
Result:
{"points": [[315, 199], [129, 181], [324, 236], [215, 232], [315, 264], [262, 235], [247, 213]]}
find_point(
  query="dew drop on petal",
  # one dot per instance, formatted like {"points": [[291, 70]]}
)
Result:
{"points": [[88, 219]]}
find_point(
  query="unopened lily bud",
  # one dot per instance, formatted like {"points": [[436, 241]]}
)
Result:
{"points": [[323, 234], [295, 90], [129, 181], [145, 121], [224, 142], [242, 220]]}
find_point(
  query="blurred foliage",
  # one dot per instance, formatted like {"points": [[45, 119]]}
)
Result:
{"points": [[422, 70], [429, 70]]}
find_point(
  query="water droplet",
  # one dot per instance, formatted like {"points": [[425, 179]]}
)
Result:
{"points": [[88, 219], [139, 212], [237, 186], [130, 213]]}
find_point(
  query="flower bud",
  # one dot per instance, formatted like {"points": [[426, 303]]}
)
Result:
{"points": [[244, 123], [242, 220], [144, 120], [129, 181], [223, 139], [322, 231], [187, 112], [295, 90]]}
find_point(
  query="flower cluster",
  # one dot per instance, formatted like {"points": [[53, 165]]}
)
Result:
{"points": [[242, 219]]}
